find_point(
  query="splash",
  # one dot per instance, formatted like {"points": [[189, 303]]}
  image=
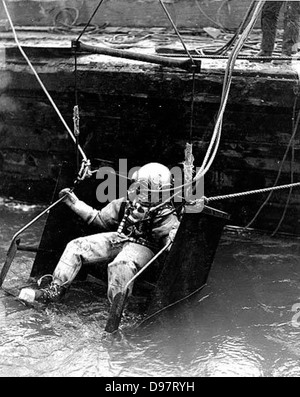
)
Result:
{"points": [[14, 205]]}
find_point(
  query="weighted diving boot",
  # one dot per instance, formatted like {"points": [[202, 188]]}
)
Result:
{"points": [[51, 293]]}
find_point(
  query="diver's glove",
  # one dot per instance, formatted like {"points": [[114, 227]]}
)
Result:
{"points": [[86, 212], [172, 235]]}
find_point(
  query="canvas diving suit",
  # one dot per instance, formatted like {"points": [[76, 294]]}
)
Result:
{"points": [[131, 231], [127, 245]]}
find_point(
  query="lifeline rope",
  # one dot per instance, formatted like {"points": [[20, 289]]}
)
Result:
{"points": [[217, 133], [39, 80], [240, 28], [216, 137], [224, 97], [215, 141]]}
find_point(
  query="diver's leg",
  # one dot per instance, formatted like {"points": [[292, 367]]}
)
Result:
{"points": [[87, 250], [96, 248], [125, 265]]}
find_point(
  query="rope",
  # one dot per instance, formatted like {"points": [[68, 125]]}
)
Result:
{"points": [[240, 28], [216, 137], [75, 76], [249, 192], [171, 305], [39, 80], [292, 172], [177, 32], [279, 172], [68, 11], [289, 195], [224, 2], [89, 21], [208, 17], [76, 133], [192, 106], [85, 170], [215, 141], [193, 62]]}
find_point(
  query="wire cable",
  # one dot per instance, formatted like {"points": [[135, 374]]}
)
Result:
{"points": [[177, 32], [207, 16], [278, 174], [295, 126], [90, 20], [39, 80], [216, 137]]}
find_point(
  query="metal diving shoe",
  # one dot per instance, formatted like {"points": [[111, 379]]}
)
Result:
{"points": [[51, 293]]}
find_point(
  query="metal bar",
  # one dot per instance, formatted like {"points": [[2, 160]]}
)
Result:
{"points": [[28, 248], [187, 64], [15, 241], [33, 248], [116, 310], [9, 258], [147, 265]]}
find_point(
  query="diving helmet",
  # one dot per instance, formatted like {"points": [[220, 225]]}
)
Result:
{"points": [[151, 184]]}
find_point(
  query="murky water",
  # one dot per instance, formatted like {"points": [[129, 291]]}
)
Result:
{"points": [[243, 323]]}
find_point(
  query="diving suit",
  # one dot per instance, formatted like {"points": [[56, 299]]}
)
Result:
{"points": [[131, 231]]}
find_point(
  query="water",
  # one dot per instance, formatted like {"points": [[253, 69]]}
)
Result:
{"points": [[243, 323]]}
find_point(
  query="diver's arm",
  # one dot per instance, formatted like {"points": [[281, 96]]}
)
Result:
{"points": [[106, 219], [85, 211]]}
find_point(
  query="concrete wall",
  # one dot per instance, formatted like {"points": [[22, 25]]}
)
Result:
{"points": [[143, 13], [142, 113]]}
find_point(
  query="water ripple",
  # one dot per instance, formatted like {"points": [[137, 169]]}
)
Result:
{"points": [[240, 325]]}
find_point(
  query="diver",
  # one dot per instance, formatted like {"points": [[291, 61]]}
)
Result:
{"points": [[131, 231]]}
